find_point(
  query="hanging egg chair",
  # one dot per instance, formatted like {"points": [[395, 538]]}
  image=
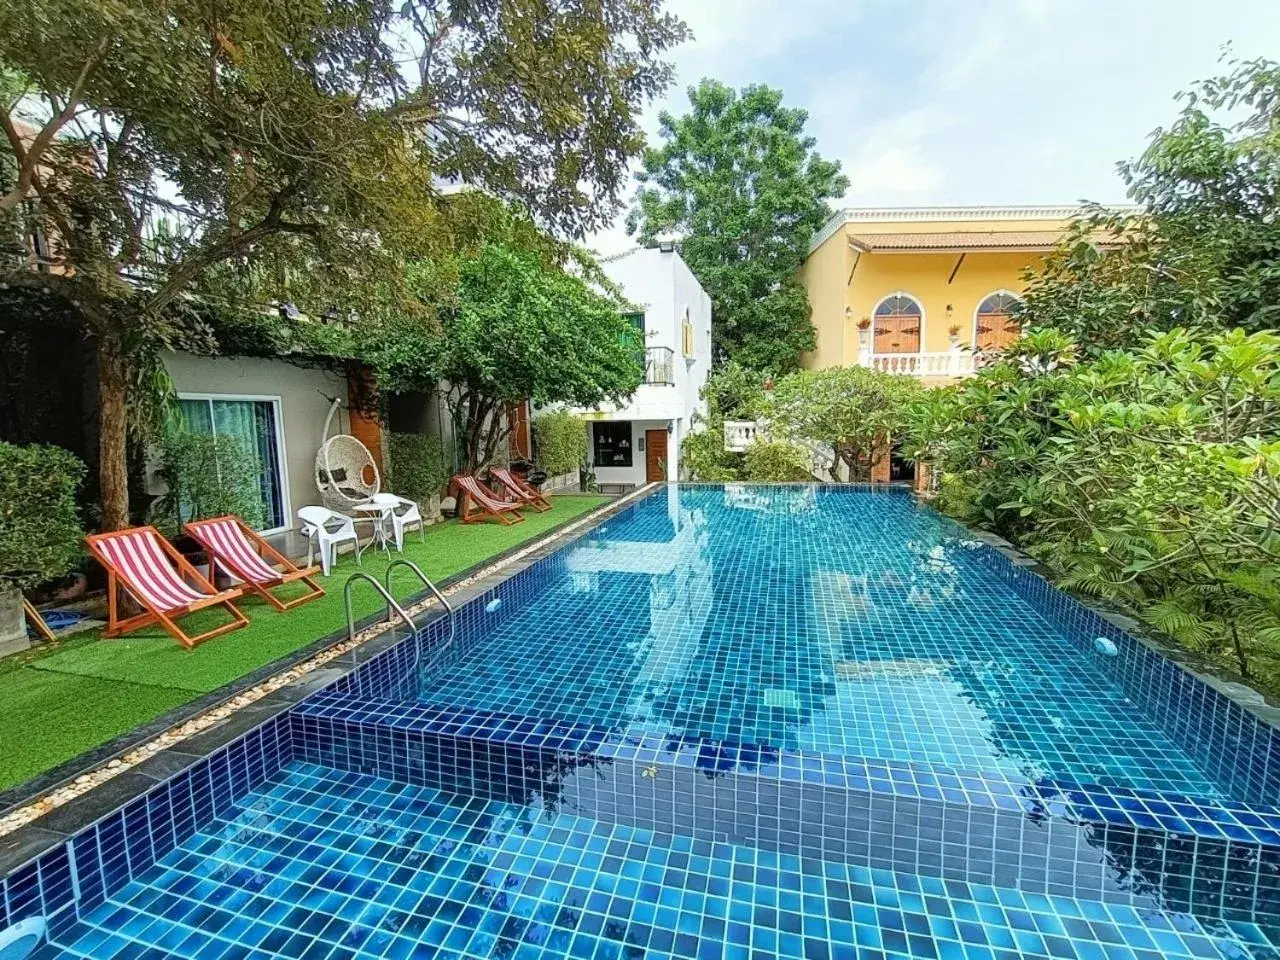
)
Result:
{"points": [[346, 472]]}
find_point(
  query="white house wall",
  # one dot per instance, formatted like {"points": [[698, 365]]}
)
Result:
{"points": [[661, 284]]}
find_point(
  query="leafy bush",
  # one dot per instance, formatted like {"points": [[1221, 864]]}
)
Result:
{"points": [[776, 461], [40, 530], [733, 392], [857, 411], [418, 469], [703, 456], [1149, 477], [207, 476], [560, 439]]}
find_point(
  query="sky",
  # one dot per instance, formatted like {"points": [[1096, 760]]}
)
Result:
{"points": [[968, 101]]}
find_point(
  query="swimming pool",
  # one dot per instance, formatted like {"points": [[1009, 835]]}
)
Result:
{"points": [[815, 620], [740, 721]]}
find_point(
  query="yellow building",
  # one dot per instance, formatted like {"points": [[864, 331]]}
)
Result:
{"points": [[918, 290]]}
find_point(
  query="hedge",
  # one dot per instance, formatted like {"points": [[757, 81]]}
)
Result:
{"points": [[417, 469], [560, 439], [40, 531]]}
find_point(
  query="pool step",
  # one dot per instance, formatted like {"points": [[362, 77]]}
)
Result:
{"points": [[1041, 837], [328, 863]]}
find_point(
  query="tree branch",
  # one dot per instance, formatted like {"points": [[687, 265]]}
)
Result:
{"points": [[29, 158]]}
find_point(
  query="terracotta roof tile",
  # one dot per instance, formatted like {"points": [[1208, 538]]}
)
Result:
{"points": [[958, 240]]}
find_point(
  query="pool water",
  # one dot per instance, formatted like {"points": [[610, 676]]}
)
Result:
{"points": [[725, 656], [319, 864], [829, 621]]}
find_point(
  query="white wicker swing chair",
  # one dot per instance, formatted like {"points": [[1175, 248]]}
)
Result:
{"points": [[346, 472]]}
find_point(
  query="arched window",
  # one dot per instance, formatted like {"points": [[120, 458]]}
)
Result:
{"points": [[897, 325], [996, 323]]}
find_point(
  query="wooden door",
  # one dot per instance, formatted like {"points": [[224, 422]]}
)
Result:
{"points": [[655, 456]]}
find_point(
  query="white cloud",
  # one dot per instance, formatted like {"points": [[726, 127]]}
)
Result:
{"points": [[899, 174], [986, 101]]}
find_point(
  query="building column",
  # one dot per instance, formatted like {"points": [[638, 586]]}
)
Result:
{"points": [[673, 450]]}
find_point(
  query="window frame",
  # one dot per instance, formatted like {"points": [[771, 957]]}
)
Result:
{"points": [[595, 443], [277, 408], [977, 313], [921, 336]]}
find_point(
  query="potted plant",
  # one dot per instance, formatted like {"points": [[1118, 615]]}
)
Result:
{"points": [[205, 476], [953, 333], [40, 530], [864, 330]]}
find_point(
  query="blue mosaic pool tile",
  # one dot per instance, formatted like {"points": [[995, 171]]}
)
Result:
{"points": [[959, 631], [1238, 749], [94, 863], [343, 865], [1058, 838]]}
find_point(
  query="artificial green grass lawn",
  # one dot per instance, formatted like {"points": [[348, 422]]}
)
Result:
{"points": [[59, 701]]}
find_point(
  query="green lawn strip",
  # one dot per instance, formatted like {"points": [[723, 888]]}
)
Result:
{"points": [[60, 701], [151, 657], [47, 718]]}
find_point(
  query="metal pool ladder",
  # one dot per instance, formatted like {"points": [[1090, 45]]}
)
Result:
{"points": [[392, 606], [417, 570]]}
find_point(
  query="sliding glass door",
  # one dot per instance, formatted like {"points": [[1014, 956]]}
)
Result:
{"points": [[255, 422]]}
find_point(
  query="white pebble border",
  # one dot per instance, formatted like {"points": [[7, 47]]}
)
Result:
{"points": [[87, 781]]}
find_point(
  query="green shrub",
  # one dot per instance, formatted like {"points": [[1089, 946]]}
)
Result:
{"points": [[703, 456], [418, 470], [1149, 477], [40, 530], [560, 439], [207, 476], [776, 461]]}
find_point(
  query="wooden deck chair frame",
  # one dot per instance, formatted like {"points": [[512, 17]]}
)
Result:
{"points": [[289, 573], [472, 509], [117, 581], [519, 489]]}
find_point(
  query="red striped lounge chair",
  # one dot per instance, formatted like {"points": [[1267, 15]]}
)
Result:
{"points": [[475, 502], [238, 549], [519, 490], [161, 580]]}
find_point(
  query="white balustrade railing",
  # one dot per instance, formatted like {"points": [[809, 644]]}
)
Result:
{"points": [[945, 363], [740, 434]]}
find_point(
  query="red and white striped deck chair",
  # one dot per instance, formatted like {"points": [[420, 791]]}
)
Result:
{"points": [[159, 578], [519, 490], [475, 502], [238, 549]]}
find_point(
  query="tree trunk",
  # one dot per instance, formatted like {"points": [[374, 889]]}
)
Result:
{"points": [[113, 433]]}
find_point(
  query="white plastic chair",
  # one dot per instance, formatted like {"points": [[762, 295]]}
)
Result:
{"points": [[325, 528], [402, 513]]}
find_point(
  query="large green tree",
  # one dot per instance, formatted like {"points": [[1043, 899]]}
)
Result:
{"points": [[158, 143], [1149, 476], [858, 412], [521, 327], [741, 183], [1202, 247]]}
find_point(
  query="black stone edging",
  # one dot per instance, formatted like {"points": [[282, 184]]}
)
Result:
{"points": [[1264, 707], [31, 790]]}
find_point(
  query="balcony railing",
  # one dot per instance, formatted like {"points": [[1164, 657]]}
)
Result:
{"points": [[659, 366], [740, 434], [945, 363]]}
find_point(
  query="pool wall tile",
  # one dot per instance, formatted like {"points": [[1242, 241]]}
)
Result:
{"points": [[98, 860], [824, 807]]}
